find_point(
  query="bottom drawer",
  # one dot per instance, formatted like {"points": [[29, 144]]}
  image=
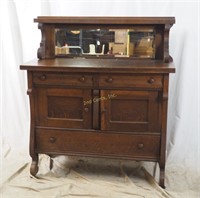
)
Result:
{"points": [[140, 146]]}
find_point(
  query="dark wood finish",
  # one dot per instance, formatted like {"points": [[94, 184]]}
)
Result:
{"points": [[164, 103], [167, 57], [96, 65], [124, 81], [58, 107], [52, 78], [100, 107], [159, 40], [105, 20], [47, 26], [135, 111], [95, 102], [95, 143], [47, 44], [33, 154]]}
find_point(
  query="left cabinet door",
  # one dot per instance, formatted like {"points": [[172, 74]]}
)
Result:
{"points": [[63, 108]]}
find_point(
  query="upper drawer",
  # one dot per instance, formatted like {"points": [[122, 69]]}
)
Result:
{"points": [[131, 81], [62, 79]]}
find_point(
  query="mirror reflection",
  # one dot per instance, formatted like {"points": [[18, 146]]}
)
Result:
{"points": [[105, 42]]}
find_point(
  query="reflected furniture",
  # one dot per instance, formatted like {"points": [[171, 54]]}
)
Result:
{"points": [[99, 88]]}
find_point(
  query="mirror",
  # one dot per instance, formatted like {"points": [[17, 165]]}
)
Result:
{"points": [[135, 42]]}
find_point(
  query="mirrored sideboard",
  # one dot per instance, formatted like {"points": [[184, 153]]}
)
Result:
{"points": [[99, 88]]}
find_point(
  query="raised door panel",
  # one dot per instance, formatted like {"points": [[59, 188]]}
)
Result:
{"points": [[133, 111], [56, 107]]}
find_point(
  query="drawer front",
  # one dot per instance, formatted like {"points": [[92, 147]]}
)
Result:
{"points": [[131, 81], [62, 79], [98, 143]]}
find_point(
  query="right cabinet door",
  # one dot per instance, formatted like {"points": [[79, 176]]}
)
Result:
{"points": [[134, 111]]}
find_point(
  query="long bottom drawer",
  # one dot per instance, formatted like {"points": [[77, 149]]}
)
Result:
{"points": [[141, 146]]}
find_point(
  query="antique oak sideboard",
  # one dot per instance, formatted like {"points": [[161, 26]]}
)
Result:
{"points": [[99, 88]]}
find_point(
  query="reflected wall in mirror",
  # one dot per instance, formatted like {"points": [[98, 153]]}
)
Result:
{"points": [[134, 42]]}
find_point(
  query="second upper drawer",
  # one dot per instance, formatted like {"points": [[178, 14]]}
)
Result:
{"points": [[48, 78], [131, 81]]}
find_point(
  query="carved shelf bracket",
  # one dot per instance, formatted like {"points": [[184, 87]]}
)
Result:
{"points": [[167, 57], [41, 49]]}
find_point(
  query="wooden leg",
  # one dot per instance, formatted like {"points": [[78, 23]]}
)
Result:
{"points": [[34, 166], [51, 161], [51, 164], [162, 177], [154, 170]]}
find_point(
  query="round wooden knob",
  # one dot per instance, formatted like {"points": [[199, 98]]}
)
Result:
{"points": [[86, 109], [151, 80], [52, 139], [43, 77], [82, 79], [109, 80], [140, 146], [103, 110]]}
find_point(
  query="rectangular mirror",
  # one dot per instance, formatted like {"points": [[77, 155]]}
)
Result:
{"points": [[135, 42]]}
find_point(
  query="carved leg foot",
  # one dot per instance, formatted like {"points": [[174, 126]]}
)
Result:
{"points": [[162, 178], [34, 168]]}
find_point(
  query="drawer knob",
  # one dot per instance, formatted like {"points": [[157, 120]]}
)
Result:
{"points": [[140, 146], [104, 111], [109, 80], [86, 109], [43, 77], [52, 139], [82, 79], [151, 80]]}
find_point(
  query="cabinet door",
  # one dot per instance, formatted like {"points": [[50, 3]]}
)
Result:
{"points": [[57, 107], [136, 111]]}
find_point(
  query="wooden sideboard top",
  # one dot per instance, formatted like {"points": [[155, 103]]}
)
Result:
{"points": [[105, 20], [99, 65]]}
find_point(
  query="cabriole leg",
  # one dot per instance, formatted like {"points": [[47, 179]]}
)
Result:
{"points": [[34, 166]]}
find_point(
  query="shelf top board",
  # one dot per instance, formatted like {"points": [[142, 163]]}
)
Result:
{"points": [[105, 20], [99, 65]]}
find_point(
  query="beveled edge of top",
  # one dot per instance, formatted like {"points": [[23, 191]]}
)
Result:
{"points": [[104, 20], [98, 65]]}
